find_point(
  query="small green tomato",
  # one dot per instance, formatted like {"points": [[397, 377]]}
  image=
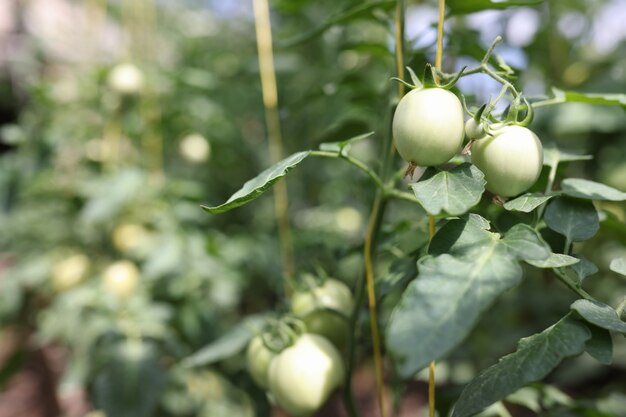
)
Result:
{"points": [[258, 358], [428, 126], [121, 278], [511, 160], [302, 377], [69, 272], [474, 130], [325, 310]]}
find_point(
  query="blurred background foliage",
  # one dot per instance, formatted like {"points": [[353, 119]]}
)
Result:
{"points": [[92, 175]]}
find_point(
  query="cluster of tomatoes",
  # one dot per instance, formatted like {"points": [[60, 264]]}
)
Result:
{"points": [[297, 359], [428, 128]]}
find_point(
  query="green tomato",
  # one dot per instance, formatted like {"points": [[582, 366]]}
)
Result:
{"points": [[69, 272], [302, 377], [511, 160], [428, 126], [258, 358], [474, 130], [325, 310], [121, 278]]}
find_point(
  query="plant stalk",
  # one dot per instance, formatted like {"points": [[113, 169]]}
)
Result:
{"points": [[270, 103], [432, 225]]}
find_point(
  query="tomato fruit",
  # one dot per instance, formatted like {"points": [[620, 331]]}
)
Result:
{"points": [[69, 272], [121, 278], [511, 160], [258, 359], [428, 126], [474, 130], [325, 310], [302, 377]]}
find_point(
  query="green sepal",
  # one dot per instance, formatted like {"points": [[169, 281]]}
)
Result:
{"points": [[479, 113], [429, 77], [416, 81]]}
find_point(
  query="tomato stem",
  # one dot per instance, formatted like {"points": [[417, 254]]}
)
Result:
{"points": [[572, 285], [270, 103]]}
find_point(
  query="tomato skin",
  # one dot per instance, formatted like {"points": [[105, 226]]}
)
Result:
{"points": [[474, 130], [325, 310], [121, 278], [428, 127], [511, 160], [302, 377], [69, 272], [258, 359]]}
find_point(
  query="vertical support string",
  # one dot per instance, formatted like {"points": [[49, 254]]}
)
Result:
{"points": [[432, 226], [272, 119]]}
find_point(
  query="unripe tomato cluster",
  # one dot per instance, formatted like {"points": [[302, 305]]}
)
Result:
{"points": [[428, 130], [301, 377], [325, 310]]}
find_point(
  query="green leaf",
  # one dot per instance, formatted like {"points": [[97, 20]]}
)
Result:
{"points": [[471, 6], [600, 314], [440, 308], [527, 202], [523, 242], [401, 271], [581, 188], [577, 220], [453, 192], [618, 265], [228, 345], [553, 155], [536, 357], [555, 260], [600, 346], [360, 10], [590, 98], [259, 184], [584, 268], [473, 267], [459, 237], [343, 146]]}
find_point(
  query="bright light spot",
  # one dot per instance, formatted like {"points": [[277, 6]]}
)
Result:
{"points": [[572, 24], [126, 79], [522, 27], [421, 25], [609, 28], [348, 219], [487, 22], [195, 148]]}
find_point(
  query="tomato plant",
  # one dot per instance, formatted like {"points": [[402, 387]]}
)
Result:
{"points": [[492, 272]]}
